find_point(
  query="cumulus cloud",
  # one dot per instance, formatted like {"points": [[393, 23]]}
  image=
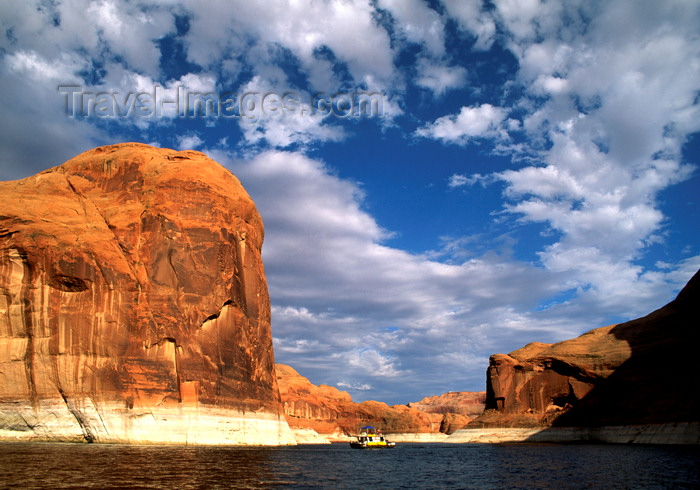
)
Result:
{"points": [[606, 111], [282, 118], [189, 142], [35, 132], [32, 65], [120, 53], [484, 121], [305, 28], [49, 44], [615, 115], [130, 32], [474, 19], [417, 23], [440, 78], [117, 30], [371, 362]]}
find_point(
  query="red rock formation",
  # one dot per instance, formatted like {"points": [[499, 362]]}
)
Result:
{"points": [[133, 303], [469, 403], [452, 422], [304, 400], [638, 372], [328, 410], [457, 408]]}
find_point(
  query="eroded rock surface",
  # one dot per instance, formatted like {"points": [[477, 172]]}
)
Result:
{"points": [[133, 304], [639, 373]]}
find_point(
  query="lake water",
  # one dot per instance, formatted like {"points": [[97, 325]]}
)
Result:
{"points": [[46, 465]]}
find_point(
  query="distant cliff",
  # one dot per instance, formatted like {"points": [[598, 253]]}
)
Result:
{"points": [[133, 304], [639, 373], [332, 413], [466, 403]]}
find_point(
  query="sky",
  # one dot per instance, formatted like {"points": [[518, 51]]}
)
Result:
{"points": [[439, 180]]}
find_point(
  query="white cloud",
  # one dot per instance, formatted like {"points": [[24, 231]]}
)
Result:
{"points": [[484, 121], [48, 44], [417, 23], [189, 142], [297, 346], [33, 65], [354, 386], [440, 78], [280, 124], [117, 29], [617, 109], [526, 19], [119, 53], [346, 28], [129, 32], [460, 180], [471, 17], [35, 130], [372, 362]]}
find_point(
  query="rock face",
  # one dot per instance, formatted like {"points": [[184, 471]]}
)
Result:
{"points": [[331, 412], [469, 403], [133, 304], [457, 408], [639, 373]]}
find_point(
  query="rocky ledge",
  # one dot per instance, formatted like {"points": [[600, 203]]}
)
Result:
{"points": [[133, 304]]}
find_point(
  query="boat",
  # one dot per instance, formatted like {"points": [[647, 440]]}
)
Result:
{"points": [[369, 437]]}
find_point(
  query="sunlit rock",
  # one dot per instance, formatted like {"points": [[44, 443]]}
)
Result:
{"points": [[133, 304]]}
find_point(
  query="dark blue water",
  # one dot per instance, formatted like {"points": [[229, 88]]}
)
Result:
{"points": [[339, 466]]}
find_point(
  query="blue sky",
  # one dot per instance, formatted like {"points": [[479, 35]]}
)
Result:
{"points": [[530, 170]]}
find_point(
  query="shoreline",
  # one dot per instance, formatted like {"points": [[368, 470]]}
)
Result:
{"points": [[679, 433], [682, 433], [108, 423]]}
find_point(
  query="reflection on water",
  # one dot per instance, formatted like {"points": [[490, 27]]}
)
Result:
{"points": [[40, 465], [99, 466]]}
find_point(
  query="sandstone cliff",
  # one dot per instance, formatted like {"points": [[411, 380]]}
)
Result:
{"points": [[133, 304], [638, 373], [457, 408], [332, 413], [469, 403]]}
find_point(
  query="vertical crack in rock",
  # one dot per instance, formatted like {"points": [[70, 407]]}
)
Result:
{"points": [[83, 200], [84, 426], [212, 318], [29, 329], [176, 365], [99, 415], [29, 356], [178, 378], [240, 265], [176, 282]]}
